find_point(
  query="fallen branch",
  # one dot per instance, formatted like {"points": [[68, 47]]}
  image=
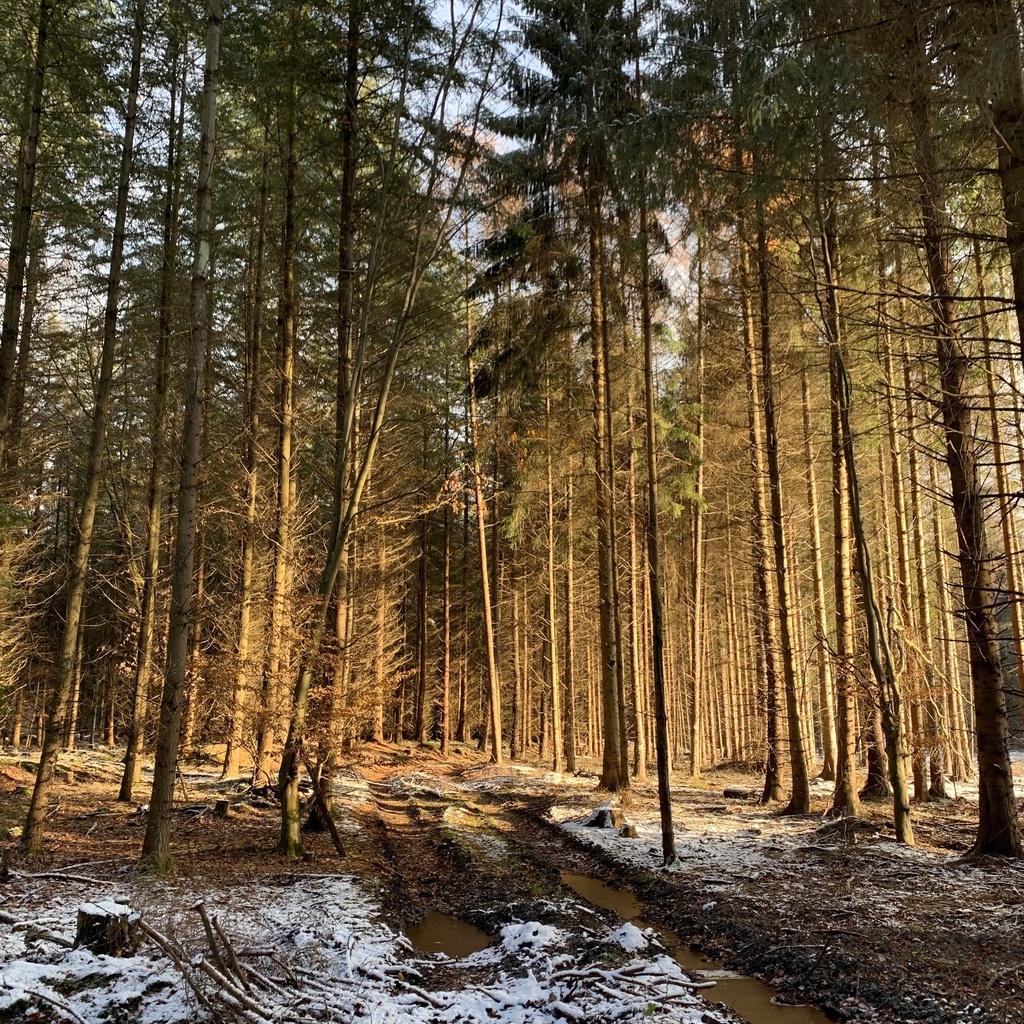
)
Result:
{"points": [[230, 950], [415, 990], [63, 1007], [165, 944], [33, 932], [999, 975], [325, 811], [60, 876], [211, 941]]}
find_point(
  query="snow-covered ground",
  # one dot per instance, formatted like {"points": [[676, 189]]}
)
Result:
{"points": [[315, 948]]}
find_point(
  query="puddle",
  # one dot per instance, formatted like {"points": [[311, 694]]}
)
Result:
{"points": [[749, 998], [440, 933]]}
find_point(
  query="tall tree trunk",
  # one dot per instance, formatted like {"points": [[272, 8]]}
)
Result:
{"points": [[422, 698], [156, 842], [928, 780], [800, 800], [637, 673], [772, 789], [24, 205], [551, 623], [697, 623], [998, 827], [493, 680], [570, 626], [845, 800], [661, 737], [158, 418], [614, 774], [461, 720], [962, 762], [275, 685], [253, 388], [33, 834], [825, 682], [445, 723]]}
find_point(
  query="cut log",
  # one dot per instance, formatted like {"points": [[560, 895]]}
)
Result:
{"points": [[735, 793], [106, 927], [629, 832]]}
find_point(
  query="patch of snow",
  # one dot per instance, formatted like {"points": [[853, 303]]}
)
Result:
{"points": [[530, 934], [629, 938]]}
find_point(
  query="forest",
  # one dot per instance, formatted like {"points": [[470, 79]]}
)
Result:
{"points": [[637, 382]]}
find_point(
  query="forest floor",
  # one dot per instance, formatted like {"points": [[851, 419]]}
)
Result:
{"points": [[834, 915]]}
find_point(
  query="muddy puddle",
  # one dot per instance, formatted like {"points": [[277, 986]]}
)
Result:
{"points": [[749, 998], [440, 933]]}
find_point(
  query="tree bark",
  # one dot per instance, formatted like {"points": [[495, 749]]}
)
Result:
{"points": [[772, 790], [493, 680], [825, 680], [800, 799], [253, 391], [34, 824], [161, 378], [661, 738], [156, 843], [998, 827], [24, 205]]}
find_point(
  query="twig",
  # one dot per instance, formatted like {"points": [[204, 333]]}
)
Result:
{"points": [[232, 959], [34, 932], [414, 989], [1002, 974], [62, 877], [164, 943], [211, 941], [229, 988], [63, 1007]]}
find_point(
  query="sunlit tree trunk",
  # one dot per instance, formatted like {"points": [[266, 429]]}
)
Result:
{"points": [[570, 626], [253, 385], [759, 538], [156, 842], [493, 679], [614, 774], [998, 826], [661, 737], [697, 615], [821, 635], [800, 799], [275, 685], [64, 683]]}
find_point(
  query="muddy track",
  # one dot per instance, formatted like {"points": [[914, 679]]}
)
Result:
{"points": [[465, 857], [490, 859]]}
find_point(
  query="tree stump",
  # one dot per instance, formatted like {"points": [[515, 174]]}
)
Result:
{"points": [[106, 927], [606, 817], [222, 809]]}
